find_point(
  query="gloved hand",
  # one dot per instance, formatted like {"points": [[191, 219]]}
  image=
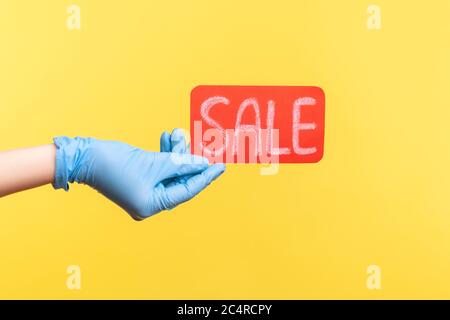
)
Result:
{"points": [[142, 183]]}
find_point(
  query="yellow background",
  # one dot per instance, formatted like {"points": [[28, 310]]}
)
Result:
{"points": [[379, 196]]}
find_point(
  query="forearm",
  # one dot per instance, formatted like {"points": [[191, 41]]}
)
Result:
{"points": [[27, 168]]}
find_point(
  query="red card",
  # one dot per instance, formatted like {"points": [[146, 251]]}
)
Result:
{"points": [[264, 124]]}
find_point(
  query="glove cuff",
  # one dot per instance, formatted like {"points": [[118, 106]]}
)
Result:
{"points": [[69, 153]]}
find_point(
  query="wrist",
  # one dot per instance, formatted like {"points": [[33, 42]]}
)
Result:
{"points": [[69, 160]]}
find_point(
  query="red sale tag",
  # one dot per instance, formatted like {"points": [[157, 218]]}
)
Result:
{"points": [[258, 124]]}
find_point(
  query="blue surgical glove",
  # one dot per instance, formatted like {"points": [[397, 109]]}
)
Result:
{"points": [[142, 183]]}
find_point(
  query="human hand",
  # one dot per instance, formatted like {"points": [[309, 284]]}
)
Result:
{"points": [[141, 182]]}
